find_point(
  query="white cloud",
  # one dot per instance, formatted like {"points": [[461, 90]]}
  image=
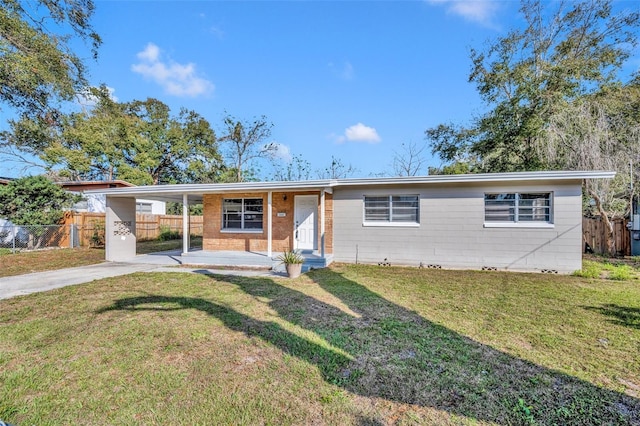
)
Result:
{"points": [[345, 72], [480, 11], [359, 133], [176, 79], [280, 151]]}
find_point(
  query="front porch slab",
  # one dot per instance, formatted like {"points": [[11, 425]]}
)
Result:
{"points": [[246, 259]]}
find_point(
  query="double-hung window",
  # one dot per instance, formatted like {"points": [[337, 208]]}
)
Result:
{"points": [[244, 214], [391, 209], [518, 207]]}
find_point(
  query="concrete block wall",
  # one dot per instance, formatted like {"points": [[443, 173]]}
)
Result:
{"points": [[452, 232]]}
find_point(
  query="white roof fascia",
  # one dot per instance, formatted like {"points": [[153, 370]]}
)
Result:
{"points": [[214, 188], [481, 177], [327, 185]]}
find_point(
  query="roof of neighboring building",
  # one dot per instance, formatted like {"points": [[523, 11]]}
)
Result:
{"points": [[5, 180], [195, 191], [83, 185]]}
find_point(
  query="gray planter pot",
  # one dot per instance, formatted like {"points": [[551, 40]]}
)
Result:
{"points": [[293, 269]]}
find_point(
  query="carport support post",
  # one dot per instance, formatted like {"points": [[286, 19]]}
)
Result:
{"points": [[269, 222], [120, 229], [322, 230], [185, 223]]}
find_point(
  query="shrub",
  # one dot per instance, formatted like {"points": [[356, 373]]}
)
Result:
{"points": [[167, 234]]}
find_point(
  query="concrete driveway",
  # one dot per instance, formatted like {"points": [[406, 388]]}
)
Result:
{"points": [[157, 262], [42, 281]]}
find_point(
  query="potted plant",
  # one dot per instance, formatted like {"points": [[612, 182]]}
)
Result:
{"points": [[292, 262]]}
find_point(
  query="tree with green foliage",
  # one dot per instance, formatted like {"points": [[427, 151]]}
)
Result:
{"points": [[560, 55], [556, 101], [599, 134], [139, 141], [34, 200], [38, 68]]}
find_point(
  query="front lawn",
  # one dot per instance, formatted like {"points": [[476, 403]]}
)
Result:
{"points": [[49, 259], [349, 344]]}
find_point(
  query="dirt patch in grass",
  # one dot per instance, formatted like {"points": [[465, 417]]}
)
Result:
{"points": [[349, 344]]}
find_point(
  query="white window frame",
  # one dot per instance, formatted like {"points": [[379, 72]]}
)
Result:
{"points": [[390, 222], [516, 223], [140, 206], [242, 229]]}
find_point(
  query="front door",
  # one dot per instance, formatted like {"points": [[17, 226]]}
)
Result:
{"points": [[306, 211]]}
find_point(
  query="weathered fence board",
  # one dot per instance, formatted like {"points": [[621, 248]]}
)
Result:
{"points": [[594, 233], [90, 226]]}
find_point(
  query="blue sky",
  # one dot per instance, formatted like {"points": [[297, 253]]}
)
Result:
{"points": [[352, 79]]}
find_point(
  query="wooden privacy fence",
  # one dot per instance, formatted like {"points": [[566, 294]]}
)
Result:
{"points": [[594, 233], [90, 226]]}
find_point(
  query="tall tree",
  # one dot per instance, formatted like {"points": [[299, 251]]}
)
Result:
{"points": [[247, 141], [38, 67], [139, 141], [597, 134], [560, 55]]}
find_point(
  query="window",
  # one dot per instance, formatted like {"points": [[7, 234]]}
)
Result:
{"points": [[242, 213], [143, 208], [518, 207], [391, 209]]}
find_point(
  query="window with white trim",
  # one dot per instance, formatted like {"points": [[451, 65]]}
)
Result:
{"points": [[144, 208], [518, 207], [242, 213], [391, 209]]}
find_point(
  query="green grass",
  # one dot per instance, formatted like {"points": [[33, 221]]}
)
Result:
{"points": [[606, 268], [349, 344], [47, 260], [153, 246]]}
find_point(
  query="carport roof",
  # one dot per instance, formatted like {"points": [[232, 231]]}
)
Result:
{"points": [[196, 191]]}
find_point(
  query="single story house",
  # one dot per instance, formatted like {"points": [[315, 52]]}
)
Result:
{"points": [[526, 221]]}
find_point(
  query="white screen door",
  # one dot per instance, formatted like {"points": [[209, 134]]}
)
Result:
{"points": [[306, 211]]}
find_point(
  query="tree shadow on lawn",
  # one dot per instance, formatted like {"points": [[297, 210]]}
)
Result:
{"points": [[396, 354], [623, 315]]}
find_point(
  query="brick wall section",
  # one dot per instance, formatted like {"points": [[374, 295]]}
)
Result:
{"points": [[282, 239], [328, 223]]}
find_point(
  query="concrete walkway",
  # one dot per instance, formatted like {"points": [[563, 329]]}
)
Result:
{"points": [[49, 280]]}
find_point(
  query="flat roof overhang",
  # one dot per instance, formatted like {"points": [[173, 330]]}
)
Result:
{"points": [[195, 192]]}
